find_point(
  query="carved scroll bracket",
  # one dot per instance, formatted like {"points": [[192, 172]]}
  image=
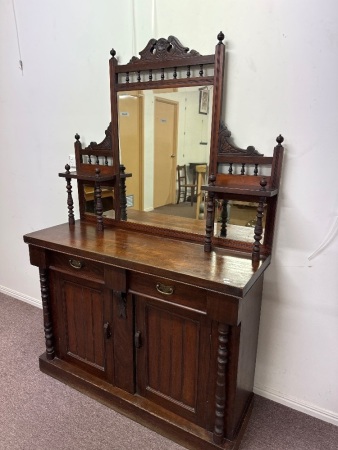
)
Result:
{"points": [[226, 147]]}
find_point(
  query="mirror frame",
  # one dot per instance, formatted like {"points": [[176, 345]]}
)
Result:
{"points": [[161, 65]]}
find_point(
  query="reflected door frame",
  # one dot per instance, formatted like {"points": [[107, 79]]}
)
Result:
{"points": [[165, 161], [131, 142]]}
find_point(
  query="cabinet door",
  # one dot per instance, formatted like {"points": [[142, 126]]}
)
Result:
{"points": [[82, 312], [173, 353]]}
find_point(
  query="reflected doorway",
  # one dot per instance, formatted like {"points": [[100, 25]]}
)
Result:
{"points": [[131, 145], [165, 139]]}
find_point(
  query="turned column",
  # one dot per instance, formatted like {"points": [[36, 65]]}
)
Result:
{"points": [[123, 196], [224, 218], [98, 201], [222, 361], [209, 228], [256, 250], [47, 321], [70, 202]]}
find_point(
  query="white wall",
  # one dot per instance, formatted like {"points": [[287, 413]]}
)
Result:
{"points": [[281, 78]]}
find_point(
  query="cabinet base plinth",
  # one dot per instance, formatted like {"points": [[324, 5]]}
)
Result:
{"points": [[137, 408]]}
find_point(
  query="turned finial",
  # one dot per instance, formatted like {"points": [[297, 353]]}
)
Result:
{"points": [[67, 167], [97, 171], [212, 179], [77, 136], [263, 183], [280, 139], [112, 52], [220, 37]]}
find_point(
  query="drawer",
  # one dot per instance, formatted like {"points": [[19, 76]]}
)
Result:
{"points": [[76, 265], [168, 290]]}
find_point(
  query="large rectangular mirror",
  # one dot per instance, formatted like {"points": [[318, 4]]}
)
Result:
{"points": [[165, 109], [164, 138]]}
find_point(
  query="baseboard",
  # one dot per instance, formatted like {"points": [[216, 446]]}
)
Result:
{"points": [[311, 410], [20, 296]]}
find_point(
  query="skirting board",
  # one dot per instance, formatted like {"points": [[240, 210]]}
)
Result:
{"points": [[22, 297], [306, 408]]}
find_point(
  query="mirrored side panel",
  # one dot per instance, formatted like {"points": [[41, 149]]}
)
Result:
{"points": [[107, 196]]}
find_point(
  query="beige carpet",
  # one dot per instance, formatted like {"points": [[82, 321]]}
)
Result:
{"points": [[40, 413]]}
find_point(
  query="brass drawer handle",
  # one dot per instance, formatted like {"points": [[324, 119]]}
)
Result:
{"points": [[76, 264], [163, 289]]}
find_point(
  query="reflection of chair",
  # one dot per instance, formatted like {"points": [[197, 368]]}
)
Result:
{"points": [[107, 197], [183, 185]]}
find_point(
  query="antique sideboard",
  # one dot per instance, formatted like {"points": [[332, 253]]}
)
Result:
{"points": [[153, 315]]}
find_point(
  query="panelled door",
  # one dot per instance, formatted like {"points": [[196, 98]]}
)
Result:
{"points": [[172, 354], [83, 312]]}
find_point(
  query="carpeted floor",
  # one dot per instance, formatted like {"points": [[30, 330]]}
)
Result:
{"points": [[183, 209], [40, 413]]}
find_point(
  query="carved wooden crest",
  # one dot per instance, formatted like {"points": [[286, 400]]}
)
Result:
{"points": [[225, 147], [164, 49], [106, 144]]}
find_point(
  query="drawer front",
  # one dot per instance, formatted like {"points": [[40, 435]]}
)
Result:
{"points": [[169, 291], [76, 265]]}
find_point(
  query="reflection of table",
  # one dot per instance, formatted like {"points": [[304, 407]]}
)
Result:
{"points": [[192, 169], [201, 170]]}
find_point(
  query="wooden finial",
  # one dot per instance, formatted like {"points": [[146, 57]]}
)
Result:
{"points": [[280, 139], [77, 136], [220, 37], [212, 179], [263, 183], [112, 52], [67, 167]]}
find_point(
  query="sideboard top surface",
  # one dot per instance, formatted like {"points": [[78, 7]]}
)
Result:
{"points": [[220, 270]]}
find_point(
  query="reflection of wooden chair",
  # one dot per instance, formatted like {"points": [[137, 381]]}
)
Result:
{"points": [[201, 171], [183, 185], [107, 197]]}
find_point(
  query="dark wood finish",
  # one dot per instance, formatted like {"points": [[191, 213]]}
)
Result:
{"points": [[142, 318], [166, 63], [242, 182], [223, 332], [49, 337], [152, 328], [70, 202]]}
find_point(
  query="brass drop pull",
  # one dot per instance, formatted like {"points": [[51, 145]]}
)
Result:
{"points": [[138, 340], [76, 264], [163, 289], [107, 330]]}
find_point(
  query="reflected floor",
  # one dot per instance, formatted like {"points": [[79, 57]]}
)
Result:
{"points": [[183, 220], [183, 209]]}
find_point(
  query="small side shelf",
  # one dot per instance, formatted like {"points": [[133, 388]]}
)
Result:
{"points": [[243, 175], [241, 191], [89, 177]]}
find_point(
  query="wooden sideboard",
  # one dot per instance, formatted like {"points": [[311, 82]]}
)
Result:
{"points": [[155, 328], [157, 316]]}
